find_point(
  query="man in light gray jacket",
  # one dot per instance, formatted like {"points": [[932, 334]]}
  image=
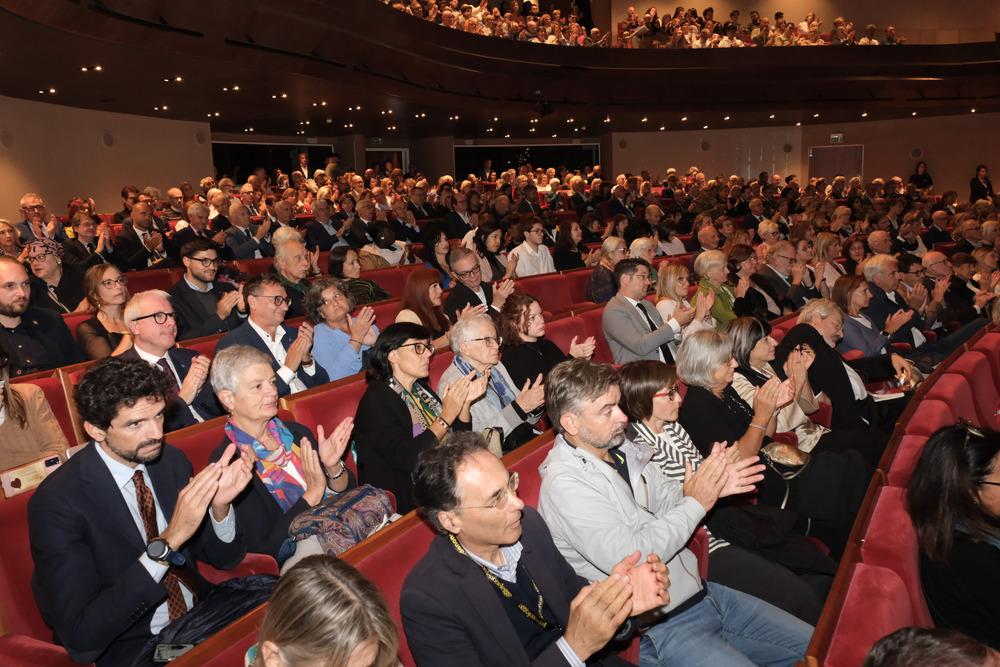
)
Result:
{"points": [[602, 499]]}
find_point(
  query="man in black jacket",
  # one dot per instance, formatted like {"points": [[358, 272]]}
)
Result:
{"points": [[471, 290], [203, 305]]}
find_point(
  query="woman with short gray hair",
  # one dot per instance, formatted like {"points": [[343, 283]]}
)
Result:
{"points": [[476, 346], [601, 287]]}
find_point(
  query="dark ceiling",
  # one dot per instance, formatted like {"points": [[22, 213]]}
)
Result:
{"points": [[335, 67]]}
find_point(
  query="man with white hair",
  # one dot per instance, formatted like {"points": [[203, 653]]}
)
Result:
{"points": [[248, 241], [291, 262], [939, 268], [199, 228], [880, 242], [151, 320], [35, 225]]}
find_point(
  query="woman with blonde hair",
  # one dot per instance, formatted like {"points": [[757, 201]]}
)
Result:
{"points": [[671, 294], [324, 612], [840, 222], [826, 250]]}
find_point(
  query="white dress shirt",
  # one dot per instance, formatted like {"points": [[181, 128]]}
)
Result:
{"points": [[279, 353]]}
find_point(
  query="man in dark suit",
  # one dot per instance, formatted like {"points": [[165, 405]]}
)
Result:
{"points": [[471, 290], [619, 203], [957, 307], [291, 263], [361, 232], [786, 280], [323, 231], [459, 221], [756, 216], [116, 532], [268, 303], [152, 321], [36, 339], [938, 231], [92, 243], [529, 202], [404, 225], [199, 228], [418, 199], [245, 240], [459, 603], [137, 246], [202, 305]]}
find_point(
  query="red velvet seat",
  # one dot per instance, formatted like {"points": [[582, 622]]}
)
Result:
{"points": [[385, 312], [327, 405], [593, 319], [392, 280], [551, 290], [204, 346], [932, 415], [254, 266], [578, 279], [562, 331], [989, 345], [198, 441], [876, 604], [907, 454], [780, 326], [140, 281], [953, 389], [73, 320], [52, 387], [974, 367], [891, 542], [439, 363]]}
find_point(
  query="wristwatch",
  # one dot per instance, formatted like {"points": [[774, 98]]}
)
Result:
{"points": [[159, 550]]}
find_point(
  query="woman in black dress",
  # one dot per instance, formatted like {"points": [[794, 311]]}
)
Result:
{"points": [[569, 251], [104, 334]]}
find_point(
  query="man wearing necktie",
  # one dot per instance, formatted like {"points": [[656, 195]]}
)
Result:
{"points": [[92, 243], [116, 532], [632, 326]]}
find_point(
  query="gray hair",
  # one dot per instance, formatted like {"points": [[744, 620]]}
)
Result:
{"points": [[640, 245], [700, 356], [134, 305], [709, 260], [611, 244], [314, 297], [879, 265], [283, 235], [767, 227], [198, 208], [460, 253], [465, 330], [29, 195], [822, 307], [282, 248], [230, 362]]}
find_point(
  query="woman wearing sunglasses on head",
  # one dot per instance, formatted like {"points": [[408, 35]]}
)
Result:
{"points": [[400, 415]]}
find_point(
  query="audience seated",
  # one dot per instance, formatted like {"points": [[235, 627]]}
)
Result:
{"points": [[671, 295], [290, 350], [29, 431], [105, 334], [340, 341], [345, 265], [54, 285], [36, 224], [126, 578], [399, 415], [471, 289], [138, 246], [293, 468], [92, 243], [421, 304], [923, 647], [292, 265], [487, 241], [247, 241], [532, 255], [203, 305], [601, 287]]}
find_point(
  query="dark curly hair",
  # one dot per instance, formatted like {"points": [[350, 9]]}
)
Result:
{"points": [[314, 297], [114, 383]]}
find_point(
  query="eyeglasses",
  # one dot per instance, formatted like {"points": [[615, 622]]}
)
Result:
{"points": [[420, 348], [466, 274], [120, 280], [917, 273], [670, 393], [38, 258], [39, 207], [159, 318], [207, 261], [489, 340], [501, 502], [278, 299]]}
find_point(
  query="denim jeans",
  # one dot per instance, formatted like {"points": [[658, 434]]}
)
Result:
{"points": [[727, 628]]}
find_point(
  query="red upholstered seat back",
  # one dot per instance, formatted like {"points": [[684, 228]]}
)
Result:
{"points": [[876, 604], [327, 406], [254, 266], [439, 363], [932, 415], [891, 542], [204, 346], [392, 280], [551, 290], [23, 617], [52, 387], [781, 326], [974, 368], [577, 282], [953, 390], [198, 441], [594, 321], [140, 281], [527, 470], [561, 332], [73, 320], [905, 460], [990, 346]]}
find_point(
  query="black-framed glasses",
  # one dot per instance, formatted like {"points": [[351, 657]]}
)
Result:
{"points": [[207, 262], [465, 274], [917, 273], [277, 298], [120, 280], [159, 318], [38, 258], [489, 340], [501, 500], [37, 207], [420, 348]]}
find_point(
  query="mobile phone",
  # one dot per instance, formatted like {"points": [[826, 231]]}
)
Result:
{"points": [[167, 652]]}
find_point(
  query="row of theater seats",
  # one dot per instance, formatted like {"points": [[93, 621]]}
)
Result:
{"points": [[877, 588]]}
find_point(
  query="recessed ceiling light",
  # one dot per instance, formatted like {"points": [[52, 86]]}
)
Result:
{"points": [[251, 129], [798, 124], [864, 115], [704, 127], [684, 119], [237, 88], [772, 116], [83, 69], [972, 111], [156, 108], [358, 107], [496, 119], [284, 95], [98, 68], [53, 90], [726, 118], [644, 119], [165, 107], [914, 113], [274, 97], [663, 127], [178, 79], [216, 113], [815, 115], [41, 92], [167, 80], [506, 136], [423, 115], [553, 136]]}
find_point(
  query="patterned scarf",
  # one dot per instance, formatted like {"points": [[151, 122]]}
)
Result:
{"points": [[499, 392], [424, 406], [285, 489]]}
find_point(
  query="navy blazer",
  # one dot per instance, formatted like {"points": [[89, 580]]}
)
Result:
{"points": [[615, 207], [461, 296], [178, 413], [318, 237], [243, 244], [245, 335], [453, 617], [192, 320], [88, 582], [882, 308], [455, 227]]}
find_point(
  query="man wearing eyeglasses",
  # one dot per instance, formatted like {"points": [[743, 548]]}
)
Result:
{"points": [[785, 279], [36, 339], [205, 306], [151, 320], [35, 226], [493, 590], [290, 349], [533, 256], [471, 290], [940, 271]]}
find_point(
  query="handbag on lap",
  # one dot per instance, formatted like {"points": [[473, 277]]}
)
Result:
{"points": [[343, 520]]}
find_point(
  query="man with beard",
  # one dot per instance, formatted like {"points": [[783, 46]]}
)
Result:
{"points": [[203, 305], [36, 339], [115, 569]]}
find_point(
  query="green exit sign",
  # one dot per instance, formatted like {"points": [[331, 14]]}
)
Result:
{"points": [[836, 138], [376, 141]]}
